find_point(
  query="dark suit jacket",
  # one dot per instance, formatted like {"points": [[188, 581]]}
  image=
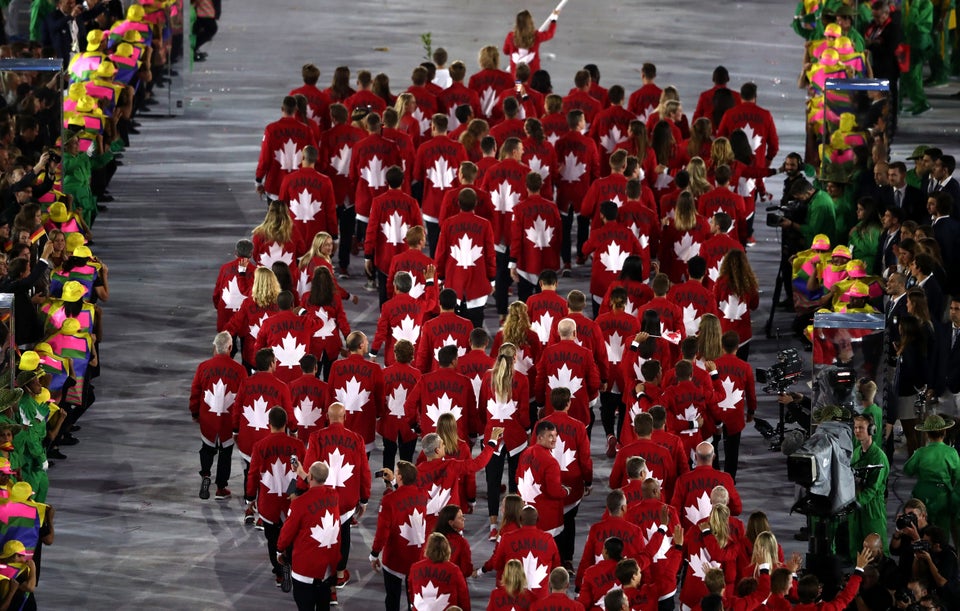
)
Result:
{"points": [[948, 362], [885, 255], [893, 317], [935, 299], [953, 188], [913, 203], [946, 230]]}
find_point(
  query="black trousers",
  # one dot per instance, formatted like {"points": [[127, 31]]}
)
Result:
{"points": [[526, 289], [501, 285], [344, 544], [392, 447], [272, 533], [315, 596], [610, 407], [566, 237], [731, 453], [223, 455], [743, 352], [394, 586], [347, 221], [381, 287], [360, 237], [566, 540], [323, 366], [494, 472], [433, 234], [583, 232], [474, 315], [204, 29]]}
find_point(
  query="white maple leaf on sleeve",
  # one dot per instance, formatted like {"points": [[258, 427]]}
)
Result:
{"points": [[534, 571], [303, 207], [448, 341], [304, 281], [701, 563], [539, 234], [276, 252], [687, 248], [218, 398], [465, 253], [528, 487], [327, 533], [443, 405], [691, 319], [375, 174], [352, 396], [613, 258], [700, 510], [663, 180], [422, 120], [564, 455], [394, 229], [289, 352], [415, 528], [277, 478], [714, 272], [571, 170], [340, 471], [395, 402], [441, 174], [255, 327], [408, 330], [327, 325], [256, 414], [732, 395], [611, 139], [232, 296], [341, 161], [501, 411], [543, 327], [553, 137], [288, 156], [536, 165], [437, 499], [430, 599], [504, 198], [661, 553], [307, 413], [614, 348], [732, 308], [564, 378], [753, 138], [488, 101]]}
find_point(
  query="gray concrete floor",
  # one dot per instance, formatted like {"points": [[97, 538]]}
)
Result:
{"points": [[131, 532]]}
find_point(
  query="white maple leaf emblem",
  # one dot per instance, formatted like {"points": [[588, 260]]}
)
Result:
{"points": [[714, 272], [528, 487], [523, 362], [422, 120], [701, 563], [700, 510], [753, 138], [255, 327], [536, 165], [690, 413], [475, 381], [430, 599], [691, 319], [438, 499], [327, 325], [611, 139], [746, 186], [488, 100], [448, 341], [613, 258], [304, 281], [452, 121], [396, 400], [465, 253], [352, 396], [661, 553], [274, 254], [663, 181], [630, 308], [232, 296], [288, 156], [340, 471], [277, 478], [408, 330], [256, 415], [415, 529], [565, 456], [375, 174], [327, 533], [643, 238], [417, 290], [614, 348], [443, 405], [394, 229], [441, 174], [543, 327], [341, 161], [572, 169], [552, 138], [303, 207], [645, 114], [686, 248], [732, 395], [540, 235], [732, 308], [307, 413], [534, 571], [289, 352], [564, 378], [501, 411], [218, 398], [522, 56], [504, 199]]}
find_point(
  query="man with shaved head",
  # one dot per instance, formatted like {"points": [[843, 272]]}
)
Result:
{"points": [[691, 494], [565, 364]]}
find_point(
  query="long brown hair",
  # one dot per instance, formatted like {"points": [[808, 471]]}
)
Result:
{"points": [[476, 130], [524, 32], [685, 215], [639, 137], [701, 134], [740, 277], [277, 225], [516, 324]]}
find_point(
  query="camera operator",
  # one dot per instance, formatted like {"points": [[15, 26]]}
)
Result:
{"points": [[871, 517], [911, 526], [934, 559], [793, 240], [820, 216]]}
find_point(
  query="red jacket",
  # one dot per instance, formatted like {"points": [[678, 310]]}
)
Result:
{"points": [[535, 237], [358, 384], [366, 99], [739, 392], [232, 289], [427, 106], [331, 326], [759, 127], [487, 84], [612, 187], [685, 402], [579, 166], [501, 600], [713, 251], [644, 101], [307, 394], [531, 56], [270, 474], [545, 310], [565, 364], [610, 129], [630, 534], [512, 415], [473, 365], [666, 558], [596, 580], [589, 336], [466, 260], [266, 253], [703, 553], [455, 95], [528, 355], [572, 453], [535, 549], [444, 391], [554, 125], [660, 465], [735, 309], [313, 530], [705, 102], [507, 128], [439, 478], [556, 602], [281, 151], [437, 163], [541, 158], [215, 387], [583, 101], [671, 318], [336, 153], [369, 162], [430, 582], [391, 215], [506, 184], [401, 529], [289, 335], [677, 247], [694, 300], [345, 453], [539, 483], [617, 330], [256, 396], [318, 104], [415, 262], [408, 152], [400, 318], [723, 199], [396, 422], [313, 205], [691, 495], [451, 202], [841, 600], [245, 324], [447, 329], [638, 294], [613, 243]]}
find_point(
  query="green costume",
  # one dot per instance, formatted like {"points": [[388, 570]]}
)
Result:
{"points": [[943, 33], [937, 469], [871, 516], [29, 442], [39, 9], [821, 218], [77, 169], [917, 26], [863, 242]]}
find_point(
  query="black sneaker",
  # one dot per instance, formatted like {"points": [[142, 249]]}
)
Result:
{"points": [[69, 440], [287, 584], [205, 488], [56, 453]]}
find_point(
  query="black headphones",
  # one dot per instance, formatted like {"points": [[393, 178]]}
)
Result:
{"points": [[871, 426]]}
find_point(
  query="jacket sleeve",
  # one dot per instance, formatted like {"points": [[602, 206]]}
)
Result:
{"points": [[551, 482], [195, 392], [365, 476], [330, 209], [253, 475], [290, 527], [384, 524], [263, 164], [490, 254]]}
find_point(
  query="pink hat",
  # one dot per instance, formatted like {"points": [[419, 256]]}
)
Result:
{"points": [[856, 269], [821, 242], [857, 289], [842, 252]]}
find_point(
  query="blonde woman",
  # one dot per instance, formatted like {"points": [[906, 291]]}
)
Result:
{"points": [[671, 109], [681, 238], [512, 593], [489, 80], [737, 293], [710, 543], [457, 448], [253, 312], [273, 238], [699, 185], [757, 523], [406, 106], [437, 574], [505, 396], [319, 255], [709, 347]]}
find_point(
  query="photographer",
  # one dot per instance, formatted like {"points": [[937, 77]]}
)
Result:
{"points": [[820, 217], [793, 241], [871, 517], [936, 561], [911, 526]]}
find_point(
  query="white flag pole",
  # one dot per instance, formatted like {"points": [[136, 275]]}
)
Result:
{"points": [[552, 17]]}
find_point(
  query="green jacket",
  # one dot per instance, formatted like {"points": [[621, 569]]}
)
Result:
{"points": [[937, 469], [863, 243], [821, 218], [918, 24]]}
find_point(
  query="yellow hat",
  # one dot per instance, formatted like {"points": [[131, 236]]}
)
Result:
{"points": [[82, 251], [75, 119], [70, 326], [29, 361], [86, 104], [821, 241], [94, 39], [125, 49], [833, 31], [840, 251], [11, 548], [21, 492], [132, 36], [858, 289], [135, 13], [74, 239], [43, 396], [43, 348], [106, 69], [76, 91], [856, 269], [58, 212], [848, 122], [73, 291]]}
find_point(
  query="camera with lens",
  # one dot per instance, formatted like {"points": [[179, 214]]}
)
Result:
{"points": [[906, 520], [792, 210], [782, 374], [920, 545]]}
